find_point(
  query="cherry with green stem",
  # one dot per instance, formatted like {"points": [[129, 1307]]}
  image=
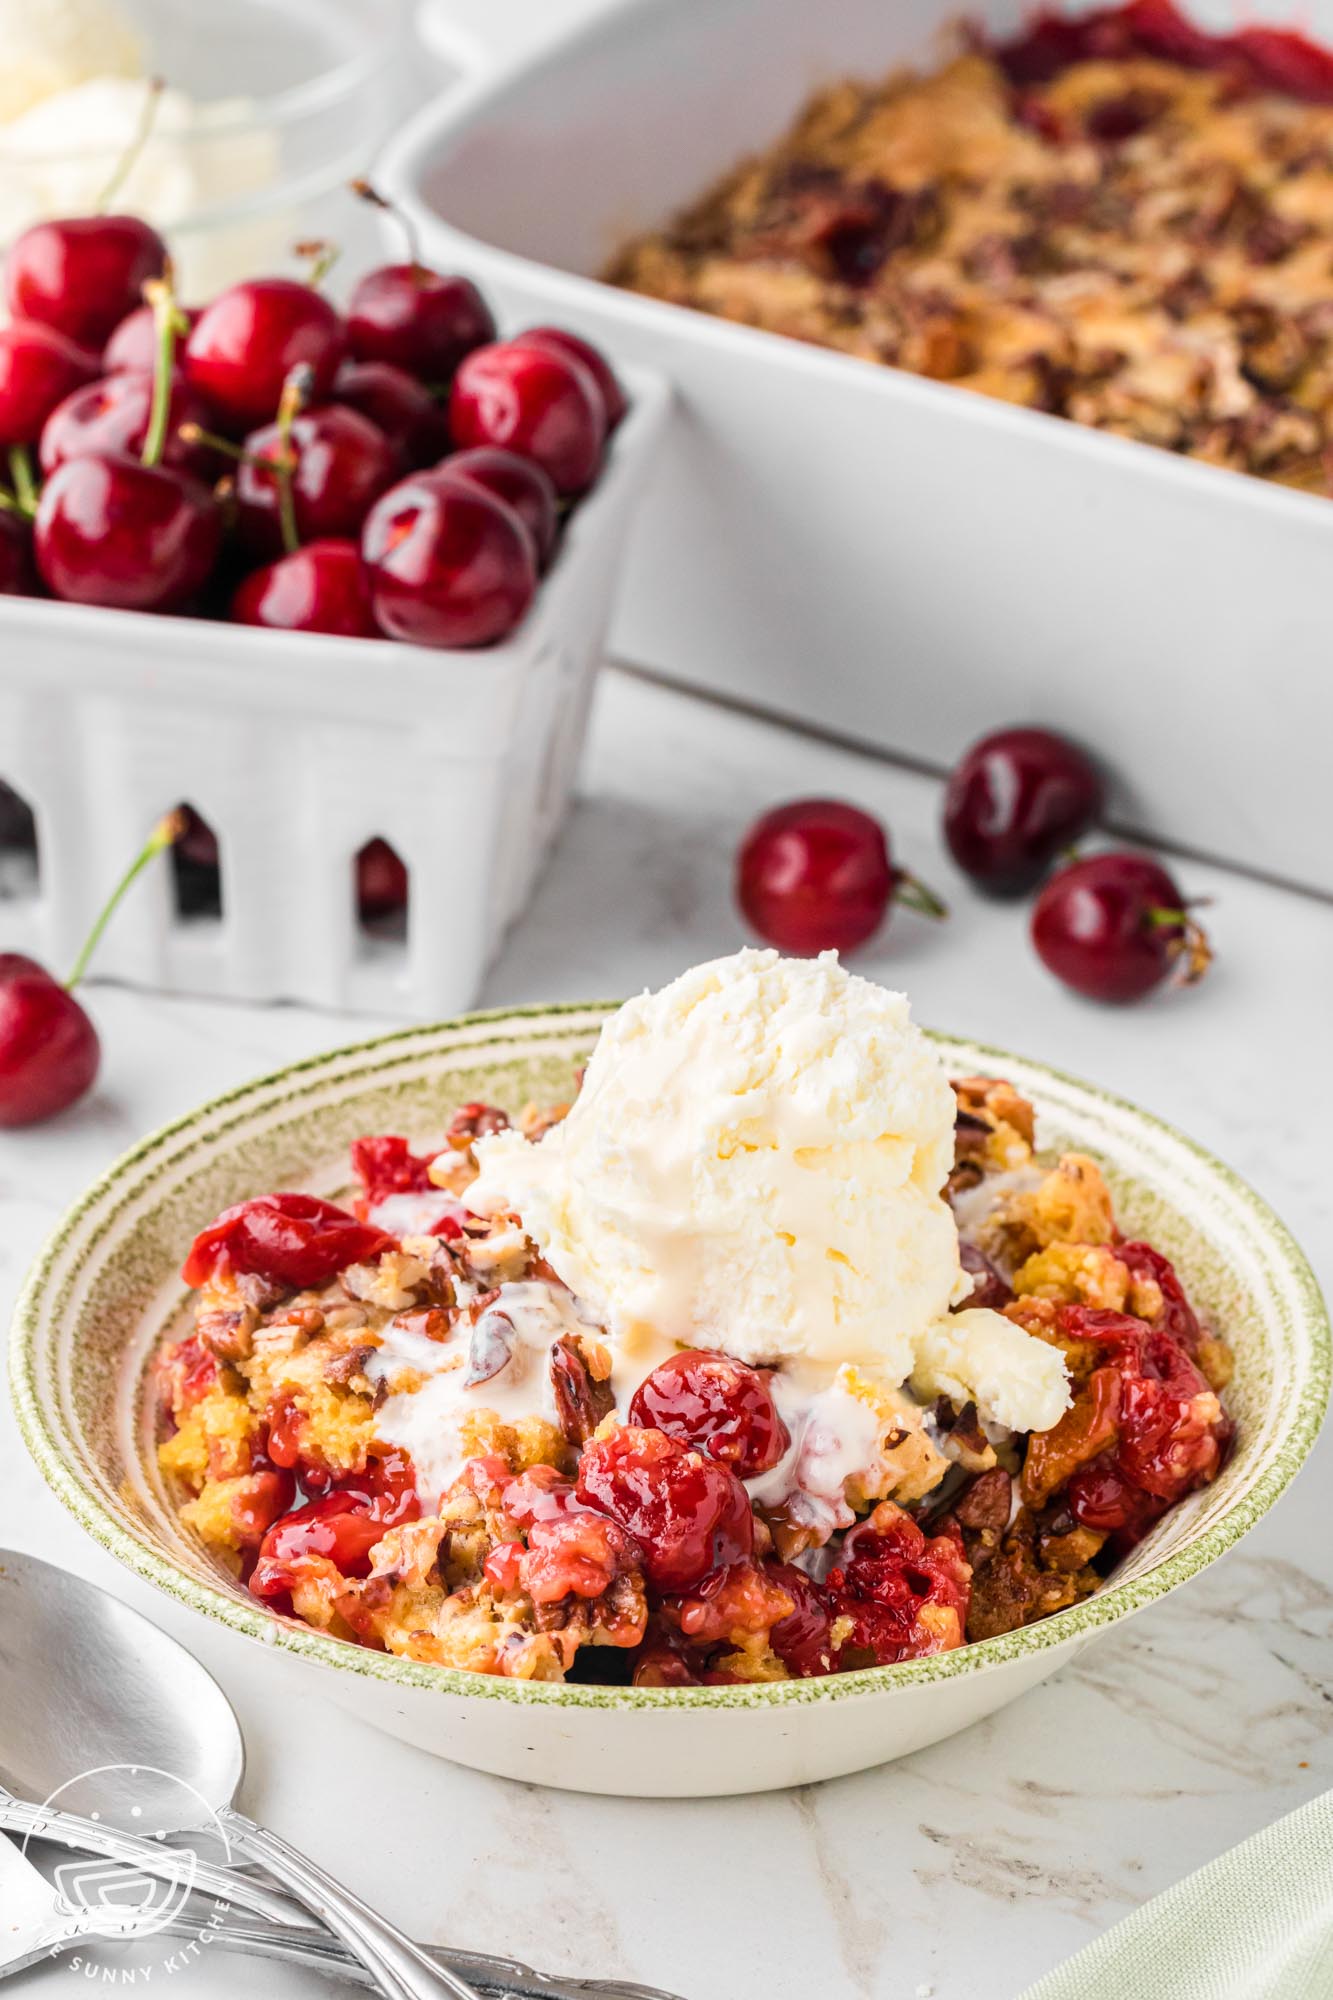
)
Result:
{"points": [[49, 1050]]}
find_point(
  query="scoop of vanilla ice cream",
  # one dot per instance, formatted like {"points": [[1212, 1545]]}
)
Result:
{"points": [[755, 1163], [50, 45]]}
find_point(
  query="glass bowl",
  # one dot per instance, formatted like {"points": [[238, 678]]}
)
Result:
{"points": [[269, 105]]}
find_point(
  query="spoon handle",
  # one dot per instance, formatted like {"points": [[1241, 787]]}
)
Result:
{"points": [[401, 1969]]}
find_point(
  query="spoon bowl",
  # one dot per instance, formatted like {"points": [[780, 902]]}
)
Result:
{"points": [[101, 1713]]}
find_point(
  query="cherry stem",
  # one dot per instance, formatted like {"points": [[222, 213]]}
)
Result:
{"points": [[912, 893], [166, 831], [10, 505], [25, 483], [138, 140], [227, 448], [372, 194], [323, 255], [296, 393], [169, 323]]}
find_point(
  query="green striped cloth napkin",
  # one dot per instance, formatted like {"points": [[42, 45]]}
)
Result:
{"points": [[1256, 1924]]}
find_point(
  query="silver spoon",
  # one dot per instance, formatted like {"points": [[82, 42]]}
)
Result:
{"points": [[83, 1677]]}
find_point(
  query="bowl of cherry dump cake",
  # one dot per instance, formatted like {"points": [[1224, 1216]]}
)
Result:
{"points": [[734, 1388]]}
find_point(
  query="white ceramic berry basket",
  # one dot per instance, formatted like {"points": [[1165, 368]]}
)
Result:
{"points": [[107, 1284], [298, 750]]}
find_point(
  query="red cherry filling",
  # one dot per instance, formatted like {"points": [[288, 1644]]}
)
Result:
{"points": [[689, 1514], [905, 1594], [112, 531], [519, 483], [114, 415], [319, 588], [39, 367], [449, 565], [1115, 926], [292, 1239], [417, 320], [1015, 802], [83, 274], [543, 405], [342, 464], [815, 875], [385, 1164], [245, 344], [803, 1639], [717, 1404], [398, 405]]}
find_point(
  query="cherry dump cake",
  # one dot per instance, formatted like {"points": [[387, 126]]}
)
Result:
{"points": [[1114, 218], [774, 1355]]}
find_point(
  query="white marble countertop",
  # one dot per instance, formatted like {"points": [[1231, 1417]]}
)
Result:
{"points": [[972, 1866]]}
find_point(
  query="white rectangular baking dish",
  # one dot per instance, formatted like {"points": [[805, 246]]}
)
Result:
{"points": [[297, 750], [892, 559]]}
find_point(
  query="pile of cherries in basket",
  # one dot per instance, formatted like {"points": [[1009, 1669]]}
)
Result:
{"points": [[394, 470], [817, 875]]}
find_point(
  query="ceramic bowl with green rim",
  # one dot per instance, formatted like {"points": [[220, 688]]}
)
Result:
{"points": [[108, 1284]]}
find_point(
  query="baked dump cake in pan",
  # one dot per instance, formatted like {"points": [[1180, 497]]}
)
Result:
{"points": [[1114, 218]]}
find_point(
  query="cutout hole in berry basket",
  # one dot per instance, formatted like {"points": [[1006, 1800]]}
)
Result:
{"points": [[381, 889], [20, 858], [196, 870]]}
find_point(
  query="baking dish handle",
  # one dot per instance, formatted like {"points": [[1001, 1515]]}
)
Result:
{"points": [[479, 37]]}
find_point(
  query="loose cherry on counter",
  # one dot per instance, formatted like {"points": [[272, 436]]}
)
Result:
{"points": [[341, 463], [816, 875], [519, 483], [135, 342], [449, 565], [562, 342], [82, 275], [321, 587], [243, 347], [114, 415], [39, 367], [49, 1051], [116, 532], [406, 412], [1114, 926], [1014, 802], [531, 400]]}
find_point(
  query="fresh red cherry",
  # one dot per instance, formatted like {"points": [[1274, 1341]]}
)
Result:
{"points": [[1018, 799], [342, 465], [115, 532], [689, 1514], [560, 342], [136, 341], [38, 369], [449, 565], [520, 483], [543, 405], [409, 416], [114, 415], [49, 1053], [719, 1404], [245, 344], [319, 588], [1115, 925], [18, 574], [82, 275], [417, 320], [816, 875]]}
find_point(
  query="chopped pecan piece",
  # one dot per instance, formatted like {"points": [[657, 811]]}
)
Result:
{"points": [[583, 1398], [228, 1335]]}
